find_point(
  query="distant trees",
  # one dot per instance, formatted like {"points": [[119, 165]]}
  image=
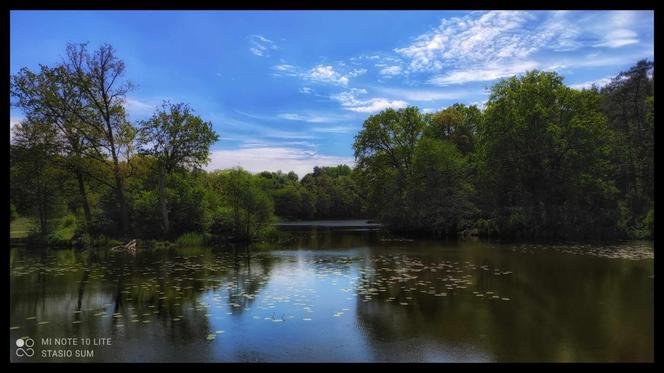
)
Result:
{"points": [[541, 160], [35, 178], [325, 193], [246, 208]]}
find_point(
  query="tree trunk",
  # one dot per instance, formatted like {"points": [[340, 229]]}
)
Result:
{"points": [[84, 200], [119, 190], [162, 198], [41, 206], [119, 187]]}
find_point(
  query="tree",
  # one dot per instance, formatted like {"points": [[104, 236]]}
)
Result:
{"points": [[439, 194], [389, 137], [543, 146], [457, 124], [96, 79], [629, 107], [48, 97], [34, 179], [251, 208], [176, 138], [384, 150]]}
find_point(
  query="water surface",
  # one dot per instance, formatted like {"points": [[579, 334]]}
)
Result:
{"points": [[339, 292]]}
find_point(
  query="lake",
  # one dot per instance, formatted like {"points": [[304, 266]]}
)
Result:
{"points": [[336, 292]]}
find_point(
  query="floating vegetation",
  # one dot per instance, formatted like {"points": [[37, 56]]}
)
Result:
{"points": [[630, 251], [205, 285]]}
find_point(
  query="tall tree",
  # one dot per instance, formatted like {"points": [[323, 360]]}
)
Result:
{"points": [[629, 107], [176, 138], [46, 97], [384, 151], [97, 78], [545, 159]]}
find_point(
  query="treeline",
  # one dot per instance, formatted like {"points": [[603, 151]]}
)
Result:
{"points": [[541, 160], [83, 172]]}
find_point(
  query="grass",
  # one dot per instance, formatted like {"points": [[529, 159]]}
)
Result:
{"points": [[192, 239], [20, 228]]}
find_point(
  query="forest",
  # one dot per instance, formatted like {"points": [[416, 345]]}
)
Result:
{"points": [[540, 160]]}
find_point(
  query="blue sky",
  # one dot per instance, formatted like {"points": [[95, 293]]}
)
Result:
{"points": [[289, 90]]}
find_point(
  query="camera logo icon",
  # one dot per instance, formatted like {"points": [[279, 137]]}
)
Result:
{"points": [[25, 347]]}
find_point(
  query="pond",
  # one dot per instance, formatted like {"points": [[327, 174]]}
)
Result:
{"points": [[335, 293]]}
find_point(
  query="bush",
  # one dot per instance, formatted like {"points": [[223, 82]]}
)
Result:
{"points": [[192, 239], [64, 232]]}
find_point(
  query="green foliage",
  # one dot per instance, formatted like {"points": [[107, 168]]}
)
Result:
{"points": [[456, 124], [64, 232], [541, 160], [546, 166], [177, 139], [438, 194], [251, 208], [192, 239]]}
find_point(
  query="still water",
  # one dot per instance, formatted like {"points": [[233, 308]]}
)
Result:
{"points": [[336, 292]]}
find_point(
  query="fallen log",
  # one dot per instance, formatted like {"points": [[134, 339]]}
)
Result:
{"points": [[129, 246]]}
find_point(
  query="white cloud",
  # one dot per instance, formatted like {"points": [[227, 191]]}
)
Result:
{"points": [[306, 90], [140, 109], [391, 70], [476, 38], [260, 45], [485, 73], [335, 129], [285, 69], [424, 94], [326, 74], [357, 72], [377, 104], [241, 128], [290, 116], [618, 38], [13, 122], [273, 158], [307, 118], [586, 85], [350, 101], [484, 46]]}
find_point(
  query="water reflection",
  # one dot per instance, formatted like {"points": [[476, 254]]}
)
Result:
{"points": [[341, 294]]}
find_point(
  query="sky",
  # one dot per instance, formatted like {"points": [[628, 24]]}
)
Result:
{"points": [[288, 90]]}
